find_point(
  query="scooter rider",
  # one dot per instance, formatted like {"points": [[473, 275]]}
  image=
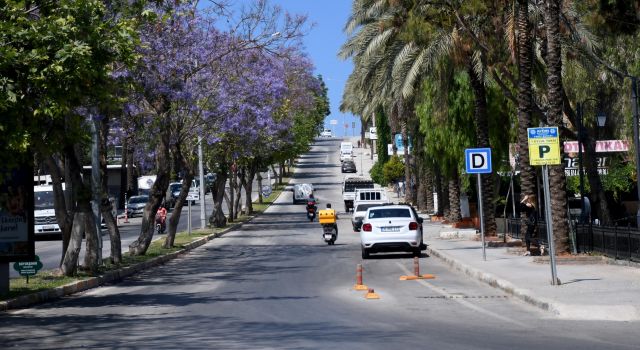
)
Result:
{"points": [[161, 216], [335, 225]]}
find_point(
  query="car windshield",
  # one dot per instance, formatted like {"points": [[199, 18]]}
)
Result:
{"points": [[364, 207], [175, 187], [351, 186], [43, 200], [140, 199], [389, 213]]}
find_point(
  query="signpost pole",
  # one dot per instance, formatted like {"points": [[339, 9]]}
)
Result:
{"points": [[547, 210], [484, 253]]}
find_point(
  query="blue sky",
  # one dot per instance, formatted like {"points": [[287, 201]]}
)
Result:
{"points": [[322, 44]]}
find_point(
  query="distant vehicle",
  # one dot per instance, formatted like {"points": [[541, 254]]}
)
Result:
{"points": [[173, 192], [350, 185], [301, 193], [345, 157], [359, 210], [346, 147], [391, 228], [364, 199], [349, 166], [136, 204], [326, 133], [46, 223], [145, 183]]}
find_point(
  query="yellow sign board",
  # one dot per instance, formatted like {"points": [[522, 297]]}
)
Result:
{"points": [[544, 146]]}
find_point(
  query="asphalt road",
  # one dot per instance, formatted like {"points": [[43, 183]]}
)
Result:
{"points": [[274, 284], [50, 251]]}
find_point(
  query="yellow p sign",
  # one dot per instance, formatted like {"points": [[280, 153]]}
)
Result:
{"points": [[544, 146]]}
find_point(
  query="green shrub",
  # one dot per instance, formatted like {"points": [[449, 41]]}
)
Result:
{"points": [[393, 169], [377, 174]]}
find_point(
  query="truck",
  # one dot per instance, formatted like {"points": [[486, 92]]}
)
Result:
{"points": [[44, 212], [145, 183], [349, 187]]}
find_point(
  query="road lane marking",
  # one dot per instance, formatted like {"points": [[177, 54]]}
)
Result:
{"points": [[462, 301]]}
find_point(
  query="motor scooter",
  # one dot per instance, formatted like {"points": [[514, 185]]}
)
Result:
{"points": [[330, 233], [328, 221], [161, 225], [311, 210]]}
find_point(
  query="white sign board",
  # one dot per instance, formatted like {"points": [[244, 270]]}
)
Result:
{"points": [[333, 122], [193, 196], [373, 133]]}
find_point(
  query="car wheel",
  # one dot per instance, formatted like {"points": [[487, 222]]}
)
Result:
{"points": [[365, 253]]}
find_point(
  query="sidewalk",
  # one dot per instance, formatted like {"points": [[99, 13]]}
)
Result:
{"points": [[589, 290]]}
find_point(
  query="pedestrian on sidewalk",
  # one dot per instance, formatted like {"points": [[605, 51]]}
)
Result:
{"points": [[528, 206]]}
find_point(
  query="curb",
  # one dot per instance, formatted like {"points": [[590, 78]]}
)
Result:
{"points": [[114, 275], [506, 286]]}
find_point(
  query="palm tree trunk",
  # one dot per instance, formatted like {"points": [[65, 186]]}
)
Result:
{"points": [[525, 102], [482, 133], [557, 180], [428, 189], [454, 198], [439, 191]]}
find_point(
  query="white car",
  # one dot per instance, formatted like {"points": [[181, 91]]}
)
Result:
{"points": [[326, 133], [391, 228], [359, 212]]}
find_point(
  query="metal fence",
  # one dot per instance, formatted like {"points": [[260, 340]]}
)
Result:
{"points": [[616, 242], [613, 241]]}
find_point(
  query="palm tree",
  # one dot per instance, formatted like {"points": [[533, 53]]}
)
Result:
{"points": [[555, 96]]}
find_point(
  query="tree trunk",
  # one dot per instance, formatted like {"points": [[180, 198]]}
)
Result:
{"points": [[231, 198], [454, 198], [156, 195], [106, 207], [217, 218], [259, 178], [525, 98], [69, 264], [64, 214], [525, 102], [176, 213], [446, 204], [557, 181], [238, 183], [248, 187], [429, 188], [482, 133], [599, 204]]}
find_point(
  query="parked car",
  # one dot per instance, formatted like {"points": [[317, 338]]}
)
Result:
{"points": [[326, 133], [391, 228], [173, 192], [359, 212], [136, 204], [348, 166]]}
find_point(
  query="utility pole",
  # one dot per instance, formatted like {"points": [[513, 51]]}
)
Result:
{"points": [[203, 202]]}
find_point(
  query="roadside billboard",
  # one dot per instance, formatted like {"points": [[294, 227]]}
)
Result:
{"points": [[16, 216]]}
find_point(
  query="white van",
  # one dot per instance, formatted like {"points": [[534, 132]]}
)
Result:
{"points": [[44, 213], [346, 151]]}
